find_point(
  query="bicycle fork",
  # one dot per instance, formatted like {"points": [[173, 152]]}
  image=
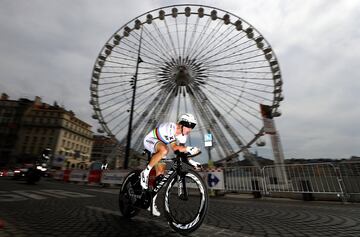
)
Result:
{"points": [[182, 190]]}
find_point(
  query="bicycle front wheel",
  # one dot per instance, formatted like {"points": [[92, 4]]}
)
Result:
{"points": [[186, 202]]}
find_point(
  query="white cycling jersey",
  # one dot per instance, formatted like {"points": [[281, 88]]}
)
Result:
{"points": [[165, 133]]}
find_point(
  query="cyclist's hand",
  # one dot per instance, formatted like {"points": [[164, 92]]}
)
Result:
{"points": [[196, 165], [192, 150]]}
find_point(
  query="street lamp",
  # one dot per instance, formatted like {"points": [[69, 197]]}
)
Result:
{"points": [[128, 143]]}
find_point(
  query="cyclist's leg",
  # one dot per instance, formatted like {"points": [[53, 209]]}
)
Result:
{"points": [[159, 150], [160, 168]]}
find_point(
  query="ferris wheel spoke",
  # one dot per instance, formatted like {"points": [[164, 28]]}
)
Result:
{"points": [[105, 90], [238, 45], [237, 137], [236, 56], [250, 99], [218, 48], [113, 83], [246, 71], [224, 54], [205, 41], [171, 39], [128, 55], [164, 41], [241, 90], [246, 61], [126, 100], [231, 104], [185, 38], [199, 39], [127, 59], [244, 80], [192, 37], [169, 48], [177, 36], [224, 144], [239, 118], [159, 46], [112, 105], [131, 46], [151, 48], [236, 115], [114, 117], [220, 41], [159, 101], [117, 85]]}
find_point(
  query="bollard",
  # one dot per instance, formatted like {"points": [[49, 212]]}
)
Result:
{"points": [[2, 224]]}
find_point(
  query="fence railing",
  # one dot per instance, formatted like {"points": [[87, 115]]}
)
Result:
{"points": [[322, 178]]}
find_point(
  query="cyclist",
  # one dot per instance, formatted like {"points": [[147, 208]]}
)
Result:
{"points": [[156, 143]]}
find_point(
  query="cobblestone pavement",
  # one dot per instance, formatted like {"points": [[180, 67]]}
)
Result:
{"points": [[63, 209]]}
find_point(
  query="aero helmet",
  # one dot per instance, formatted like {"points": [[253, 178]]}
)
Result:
{"points": [[188, 120]]}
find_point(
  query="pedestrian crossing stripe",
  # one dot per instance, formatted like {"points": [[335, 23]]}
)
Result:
{"points": [[22, 195]]}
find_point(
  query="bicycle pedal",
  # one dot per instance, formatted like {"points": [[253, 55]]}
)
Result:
{"points": [[183, 197]]}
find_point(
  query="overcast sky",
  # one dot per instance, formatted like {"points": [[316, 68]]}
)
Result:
{"points": [[48, 48]]}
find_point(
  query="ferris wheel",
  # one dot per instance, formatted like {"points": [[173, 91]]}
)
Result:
{"points": [[187, 58]]}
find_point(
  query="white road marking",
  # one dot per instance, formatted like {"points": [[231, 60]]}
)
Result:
{"points": [[29, 194], [107, 211], [112, 191], [9, 197], [22, 195], [48, 194], [67, 193]]}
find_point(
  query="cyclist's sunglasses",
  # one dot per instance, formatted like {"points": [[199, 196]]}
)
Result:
{"points": [[189, 125]]}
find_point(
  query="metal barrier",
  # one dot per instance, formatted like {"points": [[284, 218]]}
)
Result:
{"points": [[302, 178], [342, 179], [350, 177], [247, 178]]}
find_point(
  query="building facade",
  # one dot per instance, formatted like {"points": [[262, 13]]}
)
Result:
{"points": [[37, 126], [11, 113], [107, 150]]}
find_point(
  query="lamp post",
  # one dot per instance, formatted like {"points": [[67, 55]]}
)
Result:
{"points": [[128, 144]]}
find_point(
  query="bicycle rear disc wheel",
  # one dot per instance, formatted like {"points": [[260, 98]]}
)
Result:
{"points": [[185, 215], [126, 206]]}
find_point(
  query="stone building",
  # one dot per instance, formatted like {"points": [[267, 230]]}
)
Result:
{"points": [[107, 150], [31, 126]]}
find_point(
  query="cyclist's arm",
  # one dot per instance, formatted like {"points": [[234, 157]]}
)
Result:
{"points": [[176, 147]]}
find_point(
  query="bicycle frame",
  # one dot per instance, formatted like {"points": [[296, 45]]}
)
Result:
{"points": [[177, 168]]}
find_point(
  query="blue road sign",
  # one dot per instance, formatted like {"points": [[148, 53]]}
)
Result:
{"points": [[212, 180]]}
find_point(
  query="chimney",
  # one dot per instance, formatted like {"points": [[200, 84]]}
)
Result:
{"points": [[37, 101], [4, 96]]}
